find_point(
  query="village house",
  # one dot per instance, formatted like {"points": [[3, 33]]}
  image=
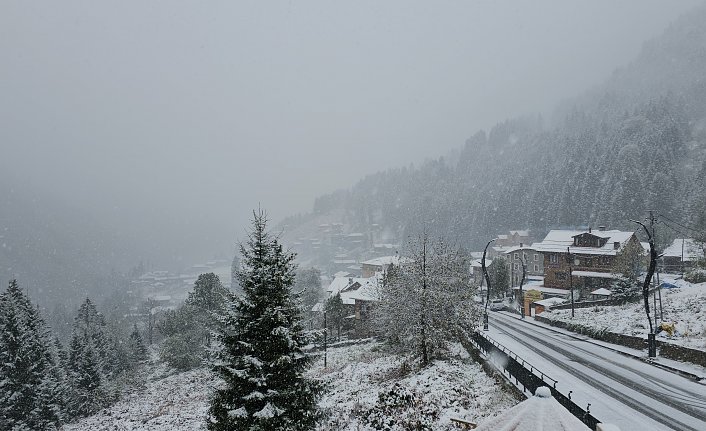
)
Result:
{"points": [[379, 265], [533, 259], [681, 255], [588, 255], [358, 296], [513, 238]]}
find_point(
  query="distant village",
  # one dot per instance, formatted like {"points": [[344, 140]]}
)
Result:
{"points": [[164, 290], [563, 261], [352, 265]]}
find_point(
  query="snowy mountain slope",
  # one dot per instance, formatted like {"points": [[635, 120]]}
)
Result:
{"points": [[634, 144]]}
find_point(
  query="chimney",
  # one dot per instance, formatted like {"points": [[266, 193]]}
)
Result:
{"points": [[601, 228], [520, 244], [589, 228]]}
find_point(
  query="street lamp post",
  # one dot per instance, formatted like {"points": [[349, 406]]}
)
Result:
{"points": [[487, 281]]}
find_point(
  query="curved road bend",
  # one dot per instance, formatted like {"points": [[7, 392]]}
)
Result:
{"points": [[666, 398]]}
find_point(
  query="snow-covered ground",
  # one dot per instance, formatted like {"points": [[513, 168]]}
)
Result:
{"points": [[355, 375], [165, 402], [685, 306], [453, 388]]}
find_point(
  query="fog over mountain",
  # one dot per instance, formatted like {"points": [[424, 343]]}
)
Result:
{"points": [[633, 144], [129, 134]]}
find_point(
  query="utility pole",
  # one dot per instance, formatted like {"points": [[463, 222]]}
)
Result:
{"points": [[659, 291], [682, 258], [325, 340], [571, 280], [487, 281], [522, 296], [651, 341]]}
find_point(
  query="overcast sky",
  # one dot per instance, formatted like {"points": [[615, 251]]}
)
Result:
{"points": [[172, 120]]}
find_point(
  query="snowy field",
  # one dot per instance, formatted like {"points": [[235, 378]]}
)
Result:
{"points": [[355, 374], [685, 306]]}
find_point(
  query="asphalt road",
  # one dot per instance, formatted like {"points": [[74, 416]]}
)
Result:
{"points": [[622, 390]]}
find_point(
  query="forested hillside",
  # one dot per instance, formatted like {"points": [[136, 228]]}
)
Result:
{"points": [[635, 143]]}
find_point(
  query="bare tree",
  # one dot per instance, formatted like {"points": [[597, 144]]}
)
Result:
{"points": [[427, 301]]}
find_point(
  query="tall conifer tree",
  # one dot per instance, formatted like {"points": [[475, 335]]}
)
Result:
{"points": [[31, 385], [261, 362]]}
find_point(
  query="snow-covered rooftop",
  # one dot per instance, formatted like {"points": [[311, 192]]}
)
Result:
{"points": [[383, 261], [538, 413], [352, 288], [550, 302], [692, 249], [543, 289], [602, 291], [557, 241], [592, 274], [519, 232], [520, 247], [338, 284]]}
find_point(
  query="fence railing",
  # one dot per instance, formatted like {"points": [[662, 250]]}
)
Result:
{"points": [[529, 376]]}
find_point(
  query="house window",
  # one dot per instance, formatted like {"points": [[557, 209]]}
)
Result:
{"points": [[536, 257], [536, 268], [517, 256], [516, 267], [553, 258]]}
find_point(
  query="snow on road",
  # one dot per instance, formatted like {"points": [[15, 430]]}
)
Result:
{"points": [[621, 390]]}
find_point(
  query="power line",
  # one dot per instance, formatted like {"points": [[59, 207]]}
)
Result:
{"points": [[673, 229], [680, 224]]}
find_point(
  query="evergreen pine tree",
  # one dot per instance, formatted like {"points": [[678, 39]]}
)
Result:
{"points": [[207, 301], [88, 382], [335, 313], [91, 361], [31, 386], [308, 283], [261, 361], [234, 268], [627, 266], [136, 347]]}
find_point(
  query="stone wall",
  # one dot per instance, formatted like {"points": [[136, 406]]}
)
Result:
{"points": [[665, 350], [587, 304]]}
